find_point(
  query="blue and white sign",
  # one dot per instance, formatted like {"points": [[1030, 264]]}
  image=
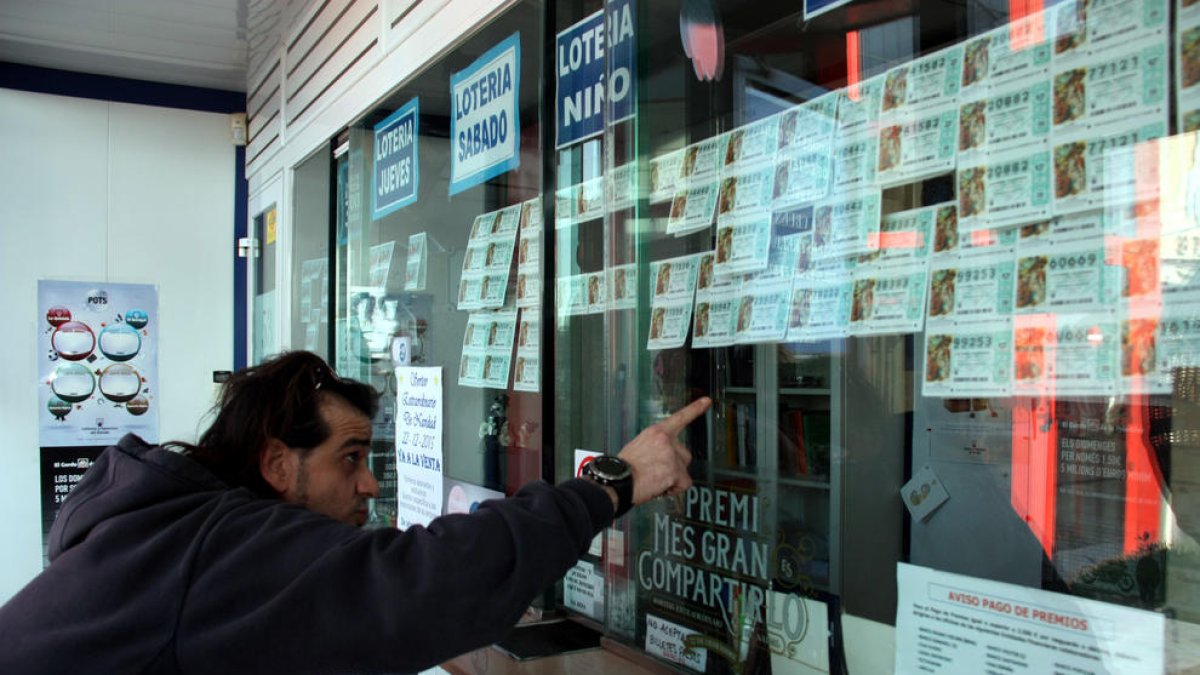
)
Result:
{"points": [[817, 7], [591, 86], [486, 126], [394, 180]]}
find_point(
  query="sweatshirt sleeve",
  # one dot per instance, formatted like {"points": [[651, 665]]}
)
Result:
{"points": [[281, 589]]}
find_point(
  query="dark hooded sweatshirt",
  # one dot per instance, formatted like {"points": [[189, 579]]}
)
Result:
{"points": [[159, 567]]}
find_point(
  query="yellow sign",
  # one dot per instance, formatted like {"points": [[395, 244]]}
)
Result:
{"points": [[271, 228]]}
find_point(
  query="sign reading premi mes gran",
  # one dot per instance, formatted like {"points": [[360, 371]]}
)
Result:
{"points": [[395, 178], [595, 66], [486, 127]]}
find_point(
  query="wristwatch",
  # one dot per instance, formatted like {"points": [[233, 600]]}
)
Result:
{"points": [[616, 474]]}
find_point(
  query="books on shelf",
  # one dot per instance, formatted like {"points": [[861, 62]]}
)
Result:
{"points": [[804, 440]]}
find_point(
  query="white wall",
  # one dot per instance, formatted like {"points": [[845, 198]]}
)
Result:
{"points": [[96, 191]]}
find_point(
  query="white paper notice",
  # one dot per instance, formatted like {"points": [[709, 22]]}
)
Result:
{"points": [[949, 623], [583, 590], [418, 445], [665, 640]]}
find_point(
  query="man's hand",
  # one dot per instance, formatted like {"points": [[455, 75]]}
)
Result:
{"points": [[658, 460]]}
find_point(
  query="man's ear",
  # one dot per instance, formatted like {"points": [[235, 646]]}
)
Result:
{"points": [[277, 465]]}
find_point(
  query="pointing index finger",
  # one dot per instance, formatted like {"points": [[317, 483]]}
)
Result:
{"points": [[684, 416]]}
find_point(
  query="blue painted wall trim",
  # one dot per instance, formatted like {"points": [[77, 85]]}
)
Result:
{"points": [[181, 97], [119, 89]]}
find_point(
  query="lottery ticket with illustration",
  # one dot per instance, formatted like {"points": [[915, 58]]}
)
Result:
{"points": [[1187, 65], [762, 311], [526, 375], [564, 207], [715, 318], [1094, 224], [746, 191], [945, 230], [693, 208], [917, 145], [1068, 277], [594, 292], [1006, 189], [416, 263], [846, 226], [743, 243], [1112, 24], [929, 81], [571, 295], [531, 214], [752, 144], [1018, 50], [1102, 166], [672, 300], [482, 290], [487, 349], [622, 187], [1113, 85], [968, 361], [529, 248], [1015, 115], [801, 178], [858, 107], [884, 302], [808, 127], [1178, 268], [702, 161], [855, 162], [819, 310], [1066, 28], [529, 288], [1154, 344], [664, 175], [977, 289], [622, 286], [905, 240], [589, 199], [499, 225], [1066, 355]]}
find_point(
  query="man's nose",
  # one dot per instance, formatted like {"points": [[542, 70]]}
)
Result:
{"points": [[367, 484]]}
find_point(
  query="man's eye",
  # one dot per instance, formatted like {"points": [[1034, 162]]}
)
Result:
{"points": [[352, 458]]}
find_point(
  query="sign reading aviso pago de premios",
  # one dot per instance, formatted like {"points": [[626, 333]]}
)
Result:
{"points": [[485, 129]]}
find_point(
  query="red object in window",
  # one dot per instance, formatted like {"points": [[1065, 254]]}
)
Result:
{"points": [[853, 64]]}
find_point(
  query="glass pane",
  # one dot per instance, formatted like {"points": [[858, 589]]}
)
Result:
{"points": [[453, 276], [934, 263], [265, 328], [310, 255]]}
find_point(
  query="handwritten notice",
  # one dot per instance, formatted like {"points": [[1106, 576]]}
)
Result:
{"points": [[418, 445]]}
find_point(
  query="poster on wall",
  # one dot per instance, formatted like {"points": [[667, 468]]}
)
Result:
{"points": [[98, 350], [706, 605], [973, 625], [485, 128], [62, 469], [395, 176], [419, 480]]}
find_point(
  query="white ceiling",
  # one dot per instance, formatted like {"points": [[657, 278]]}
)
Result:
{"points": [[195, 42]]}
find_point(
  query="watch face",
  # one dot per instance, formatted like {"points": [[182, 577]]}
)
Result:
{"points": [[609, 467]]}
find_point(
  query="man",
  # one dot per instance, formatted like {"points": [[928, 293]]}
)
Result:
{"points": [[242, 554]]}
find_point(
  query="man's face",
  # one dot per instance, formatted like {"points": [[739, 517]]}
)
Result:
{"points": [[333, 477]]}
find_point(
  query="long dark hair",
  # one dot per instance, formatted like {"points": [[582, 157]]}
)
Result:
{"points": [[279, 398]]}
